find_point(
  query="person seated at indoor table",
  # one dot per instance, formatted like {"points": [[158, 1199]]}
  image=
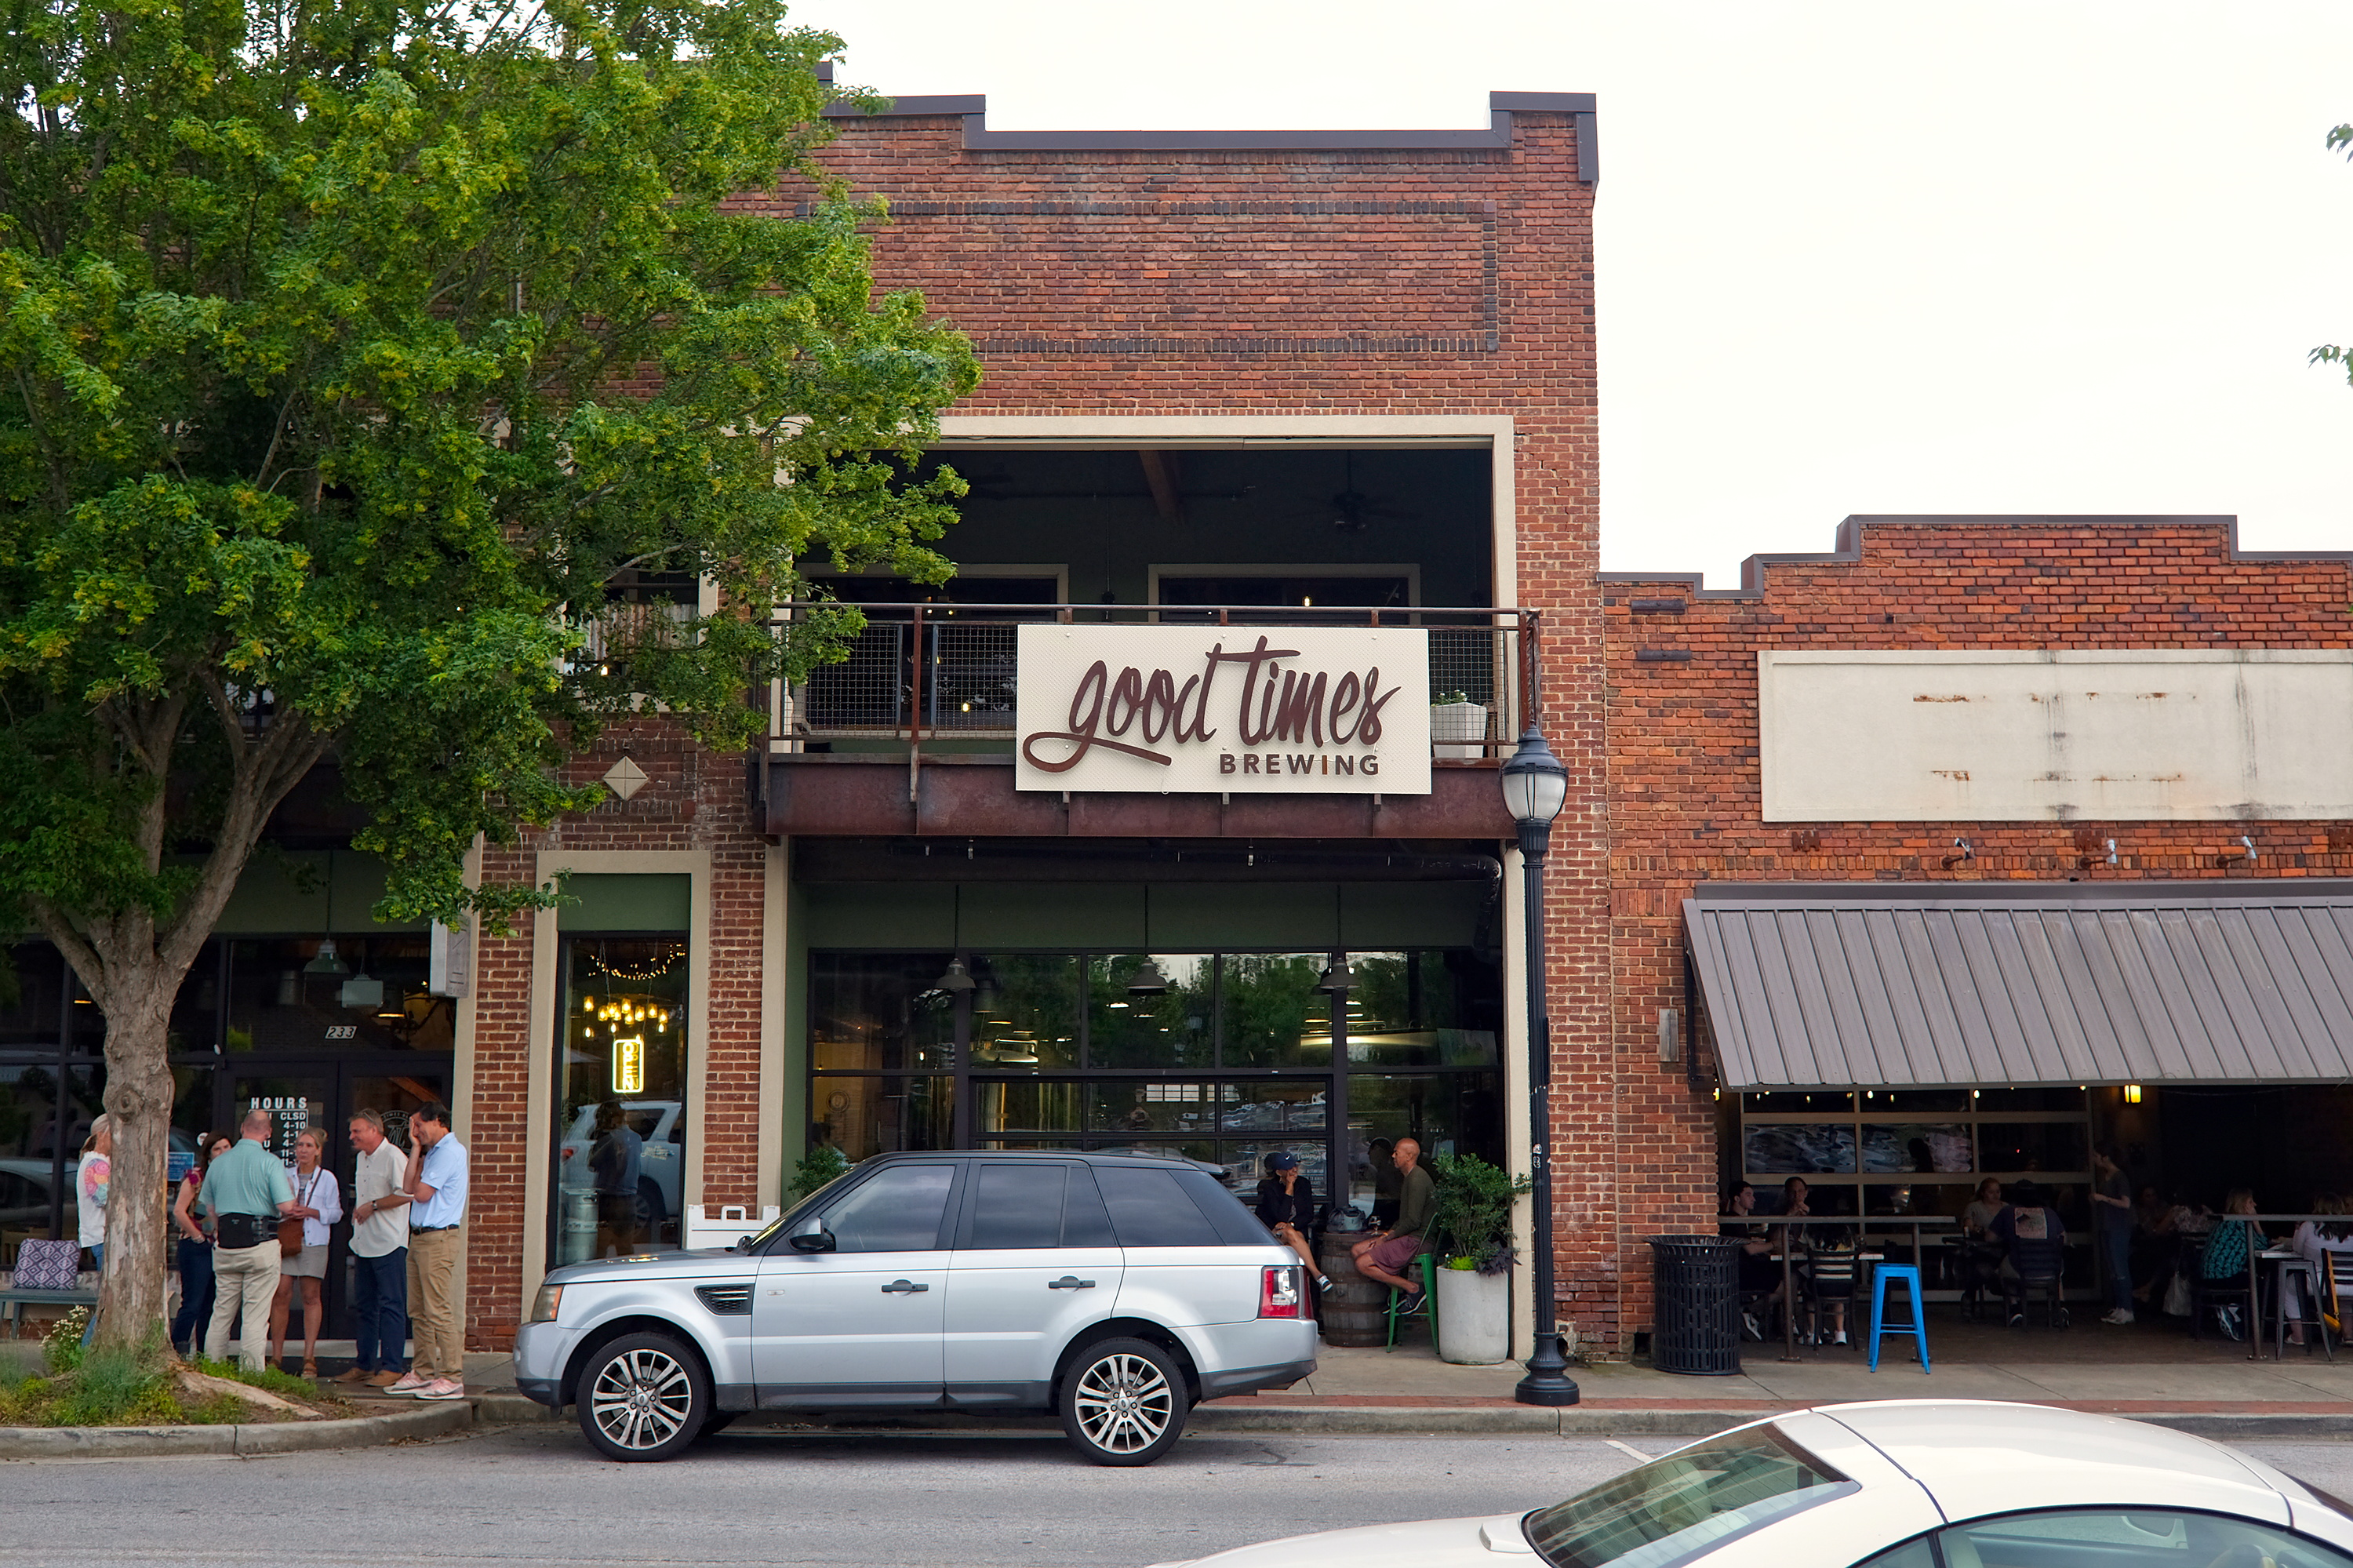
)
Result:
{"points": [[2153, 1244], [1286, 1205], [1831, 1253], [2313, 1242], [1977, 1220]]}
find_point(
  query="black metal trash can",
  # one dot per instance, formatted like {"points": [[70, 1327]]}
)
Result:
{"points": [[1695, 1305]]}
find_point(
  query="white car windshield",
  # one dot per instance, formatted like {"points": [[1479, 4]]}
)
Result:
{"points": [[1674, 1508]]}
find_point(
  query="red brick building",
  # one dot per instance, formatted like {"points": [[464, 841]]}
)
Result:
{"points": [[1330, 389]]}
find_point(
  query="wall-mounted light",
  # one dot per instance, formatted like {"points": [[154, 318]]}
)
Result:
{"points": [[1670, 1034], [2245, 852], [2132, 1094], [1963, 849]]}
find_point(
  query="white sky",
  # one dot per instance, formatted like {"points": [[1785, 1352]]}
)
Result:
{"points": [[1987, 257]]}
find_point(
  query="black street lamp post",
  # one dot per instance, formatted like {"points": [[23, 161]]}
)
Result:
{"points": [[1536, 786]]}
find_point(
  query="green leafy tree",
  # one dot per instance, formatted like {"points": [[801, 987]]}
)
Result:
{"points": [[361, 365]]}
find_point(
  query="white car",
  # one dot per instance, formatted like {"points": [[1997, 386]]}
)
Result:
{"points": [[657, 1123], [1900, 1484]]}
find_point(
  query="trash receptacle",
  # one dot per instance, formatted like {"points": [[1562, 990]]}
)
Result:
{"points": [[1695, 1305]]}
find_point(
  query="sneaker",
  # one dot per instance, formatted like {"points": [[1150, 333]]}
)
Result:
{"points": [[1839, 1338], [386, 1379], [1749, 1326], [1323, 1283], [2017, 1320], [1408, 1305], [442, 1388], [354, 1374], [407, 1382]]}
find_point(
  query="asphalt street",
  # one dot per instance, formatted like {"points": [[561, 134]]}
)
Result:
{"points": [[534, 1495]]}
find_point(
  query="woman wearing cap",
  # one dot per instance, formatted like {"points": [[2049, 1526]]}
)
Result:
{"points": [[1286, 1205]]}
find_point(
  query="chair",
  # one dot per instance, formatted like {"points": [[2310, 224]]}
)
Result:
{"points": [[1829, 1275], [2296, 1278], [2207, 1293], [1981, 1270], [2338, 1278], [1424, 1269], [1917, 1327], [2038, 1264]]}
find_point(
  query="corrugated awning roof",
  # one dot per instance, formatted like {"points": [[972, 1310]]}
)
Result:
{"points": [[2228, 982]]}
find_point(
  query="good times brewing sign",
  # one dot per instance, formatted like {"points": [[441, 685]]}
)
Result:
{"points": [[1223, 709]]}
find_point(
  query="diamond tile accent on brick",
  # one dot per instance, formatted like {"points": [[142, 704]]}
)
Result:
{"points": [[625, 778]]}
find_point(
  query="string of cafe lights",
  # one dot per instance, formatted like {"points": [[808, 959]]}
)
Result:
{"points": [[668, 962]]}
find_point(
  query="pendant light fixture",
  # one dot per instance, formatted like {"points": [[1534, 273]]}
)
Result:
{"points": [[327, 962], [955, 980], [1148, 980]]}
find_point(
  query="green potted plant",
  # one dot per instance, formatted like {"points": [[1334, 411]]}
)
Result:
{"points": [[1457, 726], [1471, 1232]]}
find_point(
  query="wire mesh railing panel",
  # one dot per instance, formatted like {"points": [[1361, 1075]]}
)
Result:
{"points": [[970, 684], [870, 689]]}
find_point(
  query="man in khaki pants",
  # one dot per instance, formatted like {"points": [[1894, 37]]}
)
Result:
{"points": [[435, 1190], [247, 1190]]}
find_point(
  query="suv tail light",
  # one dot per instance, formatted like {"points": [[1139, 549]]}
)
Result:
{"points": [[1279, 1296]]}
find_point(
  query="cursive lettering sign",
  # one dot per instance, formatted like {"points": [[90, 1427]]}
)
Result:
{"points": [[1195, 708]]}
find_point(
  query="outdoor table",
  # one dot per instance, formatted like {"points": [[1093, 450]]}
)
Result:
{"points": [[2255, 1256], [1861, 1223]]}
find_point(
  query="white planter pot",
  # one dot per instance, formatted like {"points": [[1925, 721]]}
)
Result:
{"points": [[1475, 1316], [1457, 729]]}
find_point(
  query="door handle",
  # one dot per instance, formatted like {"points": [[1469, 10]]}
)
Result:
{"points": [[902, 1287], [1069, 1282]]}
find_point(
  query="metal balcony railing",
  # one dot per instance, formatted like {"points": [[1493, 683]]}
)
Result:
{"points": [[949, 671]]}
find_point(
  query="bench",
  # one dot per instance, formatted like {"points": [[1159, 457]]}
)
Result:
{"points": [[17, 1300]]}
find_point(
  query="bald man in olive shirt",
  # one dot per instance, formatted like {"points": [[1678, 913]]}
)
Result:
{"points": [[1381, 1255]]}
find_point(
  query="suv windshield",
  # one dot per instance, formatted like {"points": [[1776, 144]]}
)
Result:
{"points": [[1672, 1510]]}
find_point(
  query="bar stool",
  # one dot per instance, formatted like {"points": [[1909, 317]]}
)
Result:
{"points": [[1917, 1327], [2299, 1272], [1421, 1268]]}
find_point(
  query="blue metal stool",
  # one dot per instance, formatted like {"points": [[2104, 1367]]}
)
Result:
{"points": [[1917, 1327]]}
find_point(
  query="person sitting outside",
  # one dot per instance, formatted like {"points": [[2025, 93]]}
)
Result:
{"points": [[1286, 1205], [2034, 1249], [1760, 1271], [1384, 1253], [2229, 1252]]}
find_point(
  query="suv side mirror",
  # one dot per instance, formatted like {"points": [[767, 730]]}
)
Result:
{"points": [[811, 1237]]}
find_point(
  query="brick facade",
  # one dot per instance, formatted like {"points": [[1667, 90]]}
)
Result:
{"points": [[1684, 804]]}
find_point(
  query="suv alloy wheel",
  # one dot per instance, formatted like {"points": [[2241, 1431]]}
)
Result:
{"points": [[1124, 1402], [643, 1396]]}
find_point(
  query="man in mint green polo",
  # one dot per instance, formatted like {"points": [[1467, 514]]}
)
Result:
{"points": [[247, 1191]]}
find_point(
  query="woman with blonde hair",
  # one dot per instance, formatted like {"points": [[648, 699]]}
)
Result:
{"points": [[319, 1203]]}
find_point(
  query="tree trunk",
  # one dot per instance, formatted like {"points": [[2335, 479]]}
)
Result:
{"points": [[139, 1092]]}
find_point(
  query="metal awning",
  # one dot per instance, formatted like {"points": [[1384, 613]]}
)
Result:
{"points": [[1815, 986]]}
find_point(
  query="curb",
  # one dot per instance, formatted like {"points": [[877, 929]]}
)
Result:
{"points": [[271, 1437], [1573, 1422]]}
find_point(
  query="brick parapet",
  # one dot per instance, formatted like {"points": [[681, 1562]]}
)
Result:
{"points": [[1684, 801]]}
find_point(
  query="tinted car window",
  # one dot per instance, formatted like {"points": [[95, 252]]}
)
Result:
{"points": [[1234, 1222], [1150, 1209], [1679, 1507], [2101, 1538], [1085, 1220], [1017, 1206], [897, 1210]]}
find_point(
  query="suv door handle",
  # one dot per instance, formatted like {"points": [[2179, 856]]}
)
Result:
{"points": [[1069, 1282], [902, 1287]]}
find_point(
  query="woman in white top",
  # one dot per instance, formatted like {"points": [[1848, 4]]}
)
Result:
{"points": [[319, 1202]]}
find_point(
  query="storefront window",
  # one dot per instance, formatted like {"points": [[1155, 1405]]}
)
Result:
{"points": [[885, 1013], [1025, 1012], [621, 1134], [1134, 1020], [1446, 1113], [30, 976], [1423, 1009], [1273, 1015], [291, 996], [864, 1116]]}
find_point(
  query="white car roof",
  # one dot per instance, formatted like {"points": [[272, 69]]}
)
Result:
{"points": [[1979, 1458]]}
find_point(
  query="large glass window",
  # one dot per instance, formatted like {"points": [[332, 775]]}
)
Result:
{"points": [[1151, 1012], [1025, 1012], [621, 1127], [303, 996], [1273, 1015]]}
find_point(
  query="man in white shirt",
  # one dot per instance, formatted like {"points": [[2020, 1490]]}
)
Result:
{"points": [[379, 1255], [435, 1190]]}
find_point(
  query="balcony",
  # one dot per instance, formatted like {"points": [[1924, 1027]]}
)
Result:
{"points": [[913, 732]]}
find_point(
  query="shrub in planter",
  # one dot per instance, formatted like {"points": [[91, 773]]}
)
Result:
{"points": [[1472, 1225]]}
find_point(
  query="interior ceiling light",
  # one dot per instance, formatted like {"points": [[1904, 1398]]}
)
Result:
{"points": [[1337, 976], [955, 980], [327, 962], [1148, 980]]}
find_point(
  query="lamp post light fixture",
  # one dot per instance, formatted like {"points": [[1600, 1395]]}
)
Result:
{"points": [[1536, 786]]}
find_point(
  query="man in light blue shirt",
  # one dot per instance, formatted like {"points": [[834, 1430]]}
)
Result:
{"points": [[435, 1190]]}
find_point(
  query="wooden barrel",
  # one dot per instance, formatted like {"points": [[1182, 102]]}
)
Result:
{"points": [[1356, 1309]]}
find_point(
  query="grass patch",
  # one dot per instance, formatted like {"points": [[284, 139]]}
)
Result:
{"points": [[109, 1387]]}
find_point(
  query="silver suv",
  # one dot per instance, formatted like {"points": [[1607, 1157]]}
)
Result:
{"points": [[1116, 1291]]}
